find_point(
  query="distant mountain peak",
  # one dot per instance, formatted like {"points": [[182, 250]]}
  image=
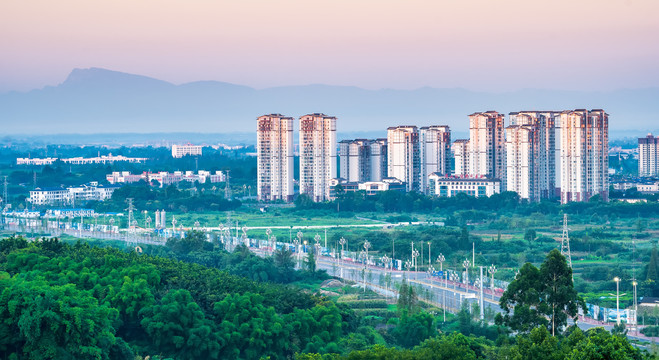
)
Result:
{"points": [[95, 76]]}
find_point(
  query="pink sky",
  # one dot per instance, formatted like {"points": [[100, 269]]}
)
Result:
{"points": [[492, 45]]}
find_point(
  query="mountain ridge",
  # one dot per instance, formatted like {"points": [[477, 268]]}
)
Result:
{"points": [[97, 100]]}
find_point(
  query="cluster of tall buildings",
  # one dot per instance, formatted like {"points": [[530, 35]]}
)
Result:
{"points": [[521, 157], [318, 159]]}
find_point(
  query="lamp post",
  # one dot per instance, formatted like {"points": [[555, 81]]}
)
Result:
{"points": [[492, 270], [342, 241], [634, 283], [617, 280], [296, 242], [455, 278], [466, 264], [385, 263], [367, 245], [408, 265], [440, 260], [317, 240], [415, 255], [268, 234], [429, 257]]}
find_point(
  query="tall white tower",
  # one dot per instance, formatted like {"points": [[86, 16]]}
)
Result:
{"points": [[274, 146], [317, 155]]}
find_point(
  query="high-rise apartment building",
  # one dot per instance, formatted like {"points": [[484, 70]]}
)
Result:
{"points": [[434, 152], [274, 147], [403, 155], [584, 154], [486, 146], [530, 154], [648, 156], [362, 160], [378, 159], [317, 155], [460, 150]]}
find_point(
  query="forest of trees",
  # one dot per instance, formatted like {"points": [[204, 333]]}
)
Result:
{"points": [[88, 302]]}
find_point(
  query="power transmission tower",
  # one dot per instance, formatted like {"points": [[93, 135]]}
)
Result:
{"points": [[565, 243], [227, 188]]}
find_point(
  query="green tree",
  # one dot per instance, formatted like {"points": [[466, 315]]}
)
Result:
{"points": [[179, 327], [529, 236], [541, 297], [40, 321], [407, 298], [310, 261]]}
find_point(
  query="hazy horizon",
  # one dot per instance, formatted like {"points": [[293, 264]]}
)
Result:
{"points": [[478, 45]]}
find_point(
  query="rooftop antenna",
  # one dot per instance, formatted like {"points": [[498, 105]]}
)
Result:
{"points": [[565, 243]]}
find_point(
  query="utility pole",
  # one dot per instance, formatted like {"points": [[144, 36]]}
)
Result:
{"points": [[130, 212], [482, 303]]}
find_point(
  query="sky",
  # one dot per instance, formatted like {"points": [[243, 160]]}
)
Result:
{"points": [[485, 45]]}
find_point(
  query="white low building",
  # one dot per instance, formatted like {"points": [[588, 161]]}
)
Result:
{"points": [[166, 178], [441, 185], [83, 193], [103, 159], [179, 151]]}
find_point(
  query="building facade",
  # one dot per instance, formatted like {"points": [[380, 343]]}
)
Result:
{"points": [[446, 186], [648, 156], [179, 151], [317, 155], [584, 157], [71, 195], [531, 154], [403, 156], [363, 160], [434, 152], [460, 150], [274, 146], [486, 146]]}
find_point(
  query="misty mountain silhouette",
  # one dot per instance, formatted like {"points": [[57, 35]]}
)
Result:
{"points": [[97, 100]]}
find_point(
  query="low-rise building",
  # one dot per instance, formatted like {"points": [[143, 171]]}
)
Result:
{"points": [[166, 178], [179, 151], [59, 195], [449, 186], [102, 159], [370, 187]]}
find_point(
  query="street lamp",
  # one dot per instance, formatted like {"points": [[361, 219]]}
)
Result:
{"points": [[408, 265], [466, 264], [367, 245], [415, 254], [440, 260], [617, 280], [385, 262], [454, 279], [492, 270], [342, 241], [296, 242], [634, 283]]}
